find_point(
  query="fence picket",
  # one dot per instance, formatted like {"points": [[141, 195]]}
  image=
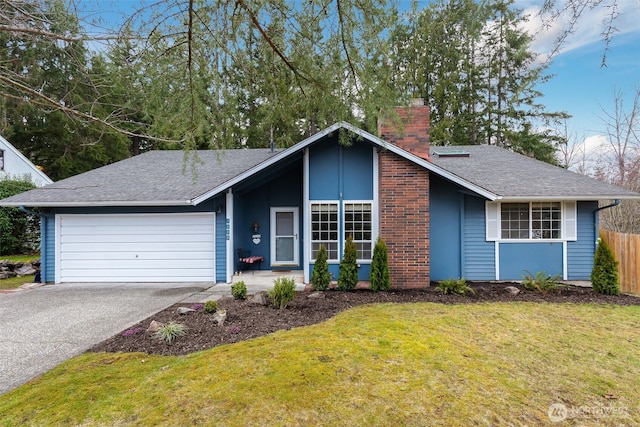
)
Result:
{"points": [[626, 249]]}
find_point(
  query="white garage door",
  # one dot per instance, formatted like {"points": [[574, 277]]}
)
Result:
{"points": [[135, 248]]}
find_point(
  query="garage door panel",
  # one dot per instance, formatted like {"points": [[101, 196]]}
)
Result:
{"points": [[142, 229], [136, 247], [136, 263], [123, 255], [138, 275], [151, 248], [132, 239]]}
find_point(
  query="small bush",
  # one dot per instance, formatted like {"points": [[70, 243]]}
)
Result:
{"points": [[604, 276], [321, 279], [379, 277], [169, 332], [453, 286], [211, 306], [239, 290], [283, 292], [542, 282], [348, 277]]}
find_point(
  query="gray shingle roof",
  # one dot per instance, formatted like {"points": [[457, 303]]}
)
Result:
{"points": [[167, 178], [155, 177], [514, 176]]}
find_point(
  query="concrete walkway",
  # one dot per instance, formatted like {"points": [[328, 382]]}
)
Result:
{"points": [[44, 326]]}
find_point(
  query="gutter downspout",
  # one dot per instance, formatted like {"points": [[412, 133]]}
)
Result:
{"points": [[596, 221], [43, 239]]}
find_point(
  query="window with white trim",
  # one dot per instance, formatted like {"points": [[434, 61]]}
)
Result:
{"points": [[324, 229], [533, 220], [1, 160], [358, 223]]}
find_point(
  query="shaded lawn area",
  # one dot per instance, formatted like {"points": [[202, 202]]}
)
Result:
{"points": [[417, 364]]}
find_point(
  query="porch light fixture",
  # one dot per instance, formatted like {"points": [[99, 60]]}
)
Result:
{"points": [[255, 226]]}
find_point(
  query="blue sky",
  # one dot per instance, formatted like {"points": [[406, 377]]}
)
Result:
{"points": [[581, 85]]}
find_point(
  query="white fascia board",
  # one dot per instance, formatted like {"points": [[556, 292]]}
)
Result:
{"points": [[372, 138], [269, 162], [28, 162]]}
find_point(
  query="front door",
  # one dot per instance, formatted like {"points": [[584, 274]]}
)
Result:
{"points": [[284, 237]]}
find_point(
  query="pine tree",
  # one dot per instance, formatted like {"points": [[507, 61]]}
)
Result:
{"points": [[604, 276], [379, 276], [348, 277], [321, 279]]}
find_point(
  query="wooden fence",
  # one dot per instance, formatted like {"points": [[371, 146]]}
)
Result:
{"points": [[626, 248]]}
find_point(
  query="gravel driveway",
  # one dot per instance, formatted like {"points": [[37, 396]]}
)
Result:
{"points": [[45, 326]]}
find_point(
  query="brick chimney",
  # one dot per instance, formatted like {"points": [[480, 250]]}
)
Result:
{"points": [[404, 198], [412, 132]]}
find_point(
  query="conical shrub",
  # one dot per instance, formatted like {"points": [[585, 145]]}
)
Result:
{"points": [[604, 276]]}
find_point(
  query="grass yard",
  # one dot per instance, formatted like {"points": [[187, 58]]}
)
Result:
{"points": [[16, 282], [418, 364]]}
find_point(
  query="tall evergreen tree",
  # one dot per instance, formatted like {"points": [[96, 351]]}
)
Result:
{"points": [[472, 64]]}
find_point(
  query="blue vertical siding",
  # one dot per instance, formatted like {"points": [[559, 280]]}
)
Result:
{"points": [[254, 201], [341, 173], [324, 176], [520, 259], [478, 255], [445, 234], [580, 253], [357, 161]]}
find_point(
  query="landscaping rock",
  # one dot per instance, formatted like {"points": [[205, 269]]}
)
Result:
{"points": [[318, 294], [7, 275], [154, 327], [219, 317], [25, 270], [259, 299], [184, 310], [512, 290]]}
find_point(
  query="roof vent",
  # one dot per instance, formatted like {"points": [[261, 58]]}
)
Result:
{"points": [[451, 153]]}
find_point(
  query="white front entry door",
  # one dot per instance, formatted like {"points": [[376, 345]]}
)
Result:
{"points": [[284, 237]]}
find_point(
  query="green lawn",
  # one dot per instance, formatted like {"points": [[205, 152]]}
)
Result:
{"points": [[382, 365], [16, 282]]}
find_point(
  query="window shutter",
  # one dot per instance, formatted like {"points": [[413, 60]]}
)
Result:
{"points": [[492, 220], [570, 216]]}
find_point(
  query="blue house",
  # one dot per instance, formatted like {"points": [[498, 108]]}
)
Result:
{"points": [[479, 212]]}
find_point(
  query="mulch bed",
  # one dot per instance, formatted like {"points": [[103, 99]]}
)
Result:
{"points": [[246, 321]]}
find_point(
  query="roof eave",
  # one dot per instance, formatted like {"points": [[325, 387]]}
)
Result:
{"points": [[586, 198], [374, 139], [119, 203]]}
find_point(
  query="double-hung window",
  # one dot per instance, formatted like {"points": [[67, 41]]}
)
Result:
{"points": [[332, 223], [358, 224], [325, 229], [531, 220]]}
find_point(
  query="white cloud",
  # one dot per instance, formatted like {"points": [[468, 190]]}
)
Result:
{"points": [[589, 28]]}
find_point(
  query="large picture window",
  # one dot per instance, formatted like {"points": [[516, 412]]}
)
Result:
{"points": [[535, 220], [359, 225], [324, 229]]}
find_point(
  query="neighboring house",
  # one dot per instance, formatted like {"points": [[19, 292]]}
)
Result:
{"points": [[478, 212], [14, 165]]}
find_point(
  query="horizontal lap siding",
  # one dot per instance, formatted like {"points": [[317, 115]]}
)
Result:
{"points": [[478, 254], [580, 253], [142, 247]]}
